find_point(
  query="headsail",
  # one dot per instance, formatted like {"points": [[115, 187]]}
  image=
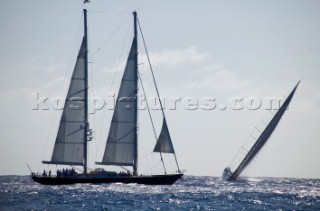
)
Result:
{"points": [[120, 148], [69, 145], [265, 135], [164, 143]]}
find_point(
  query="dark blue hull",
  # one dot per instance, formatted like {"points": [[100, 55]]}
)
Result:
{"points": [[146, 180]]}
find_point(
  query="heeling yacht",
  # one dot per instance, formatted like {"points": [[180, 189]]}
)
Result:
{"points": [[230, 175]]}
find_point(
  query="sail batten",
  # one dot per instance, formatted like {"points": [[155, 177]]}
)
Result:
{"points": [[120, 147], [70, 140]]}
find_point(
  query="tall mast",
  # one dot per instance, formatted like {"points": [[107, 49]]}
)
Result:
{"points": [[135, 40], [86, 124]]}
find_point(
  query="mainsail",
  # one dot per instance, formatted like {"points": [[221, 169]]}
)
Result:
{"points": [[263, 138], [122, 146], [121, 142], [71, 137]]}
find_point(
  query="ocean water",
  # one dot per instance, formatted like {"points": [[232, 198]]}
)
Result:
{"points": [[189, 193]]}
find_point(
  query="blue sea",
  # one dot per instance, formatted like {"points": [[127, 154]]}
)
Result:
{"points": [[189, 193]]}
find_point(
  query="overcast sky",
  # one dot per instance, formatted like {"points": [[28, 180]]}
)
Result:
{"points": [[216, 49]]}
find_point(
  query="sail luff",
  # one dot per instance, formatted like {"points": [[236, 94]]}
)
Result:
{"points": [[265, 135]]}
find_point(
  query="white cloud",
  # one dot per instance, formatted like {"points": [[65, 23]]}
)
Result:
{"points": [[166, 58], [178, 57], [220, 79], [14, 97], [317, 99], [214, 75], [225, 80], [115, 68], [52, 68]]}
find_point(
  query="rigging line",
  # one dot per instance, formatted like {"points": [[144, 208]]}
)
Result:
{"points": [[154, 80], [239, 153], [235, 158], [155, 84], [98, 137], [73, 52], [64, 84], [112, 83], [110, 88], [145, 156], [108, 12], [110, 37], [154, 130], [120, 56], [125, 168], [249, 141], [76, 50], [155, 167]]}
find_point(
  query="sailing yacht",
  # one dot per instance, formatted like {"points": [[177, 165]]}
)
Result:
{"points": [[71, 145], [230, 175]]}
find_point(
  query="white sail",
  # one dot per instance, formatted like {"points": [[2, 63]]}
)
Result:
{"points": [[69, 145], [164, 143], [121, 142]]}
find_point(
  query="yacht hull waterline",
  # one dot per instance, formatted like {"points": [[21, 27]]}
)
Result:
{"points": [[227, 175], [168, 179]]}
